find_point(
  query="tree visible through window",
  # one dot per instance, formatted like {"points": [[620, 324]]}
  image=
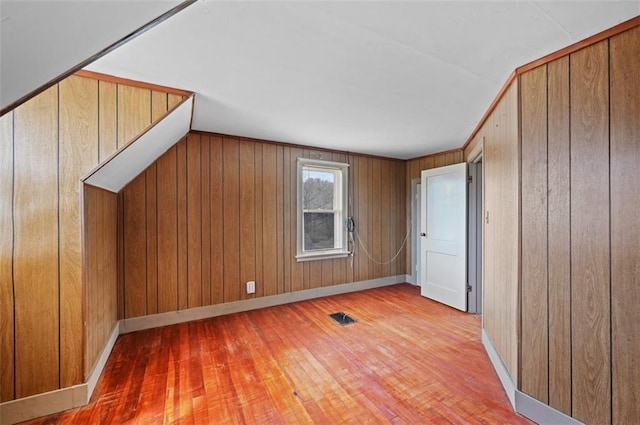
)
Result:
{"points": [[321, 204]]}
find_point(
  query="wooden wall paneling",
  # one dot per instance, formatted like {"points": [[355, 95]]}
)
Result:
{"points": [[183, 236], [78, 138], [173, 100], [534, 376], [205, 187], [108, 123], [6, 258], [231, 204], [134, 104], [217, 219], [269, 248], [135, 248], [590, 265], [439, 161], [374, 241], [167, 231], [100, 270], [159, 104], [258, 196], [120, 254], [361, 187], [36, 262], [151, 230], [625, 225], [426, 164], [194, 221], [247, 216], [297, 269], [386, 248], [288, 255], [559, 236], [280, 217]]}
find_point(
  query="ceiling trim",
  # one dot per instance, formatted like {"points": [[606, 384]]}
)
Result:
{"points": [[594, 39], [133, 83], [101, 53]]}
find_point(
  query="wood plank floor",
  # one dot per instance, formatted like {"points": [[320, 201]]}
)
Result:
{"points": [[406, 360]]}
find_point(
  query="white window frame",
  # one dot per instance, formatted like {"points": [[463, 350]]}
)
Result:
{"points": [[341, 171]]}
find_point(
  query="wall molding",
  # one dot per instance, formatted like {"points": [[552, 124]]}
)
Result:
{"points": [[197, 313], [522, 403], [56, 401]]}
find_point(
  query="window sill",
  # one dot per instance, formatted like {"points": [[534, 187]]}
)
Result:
{"points": [[322, 256]]}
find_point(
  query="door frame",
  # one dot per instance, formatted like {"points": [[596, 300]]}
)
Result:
{"points": [[415, 231], [475, 257]]}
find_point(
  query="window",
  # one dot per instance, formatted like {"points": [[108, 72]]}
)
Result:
{"points": [[322, 202]]}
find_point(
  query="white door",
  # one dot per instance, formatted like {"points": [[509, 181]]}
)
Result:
{"points": [[443, 223]]}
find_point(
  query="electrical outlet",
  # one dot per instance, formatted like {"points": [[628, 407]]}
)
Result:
{"points": [[251, 287]]}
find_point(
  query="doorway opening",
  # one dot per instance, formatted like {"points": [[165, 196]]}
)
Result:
{"points": [[474, 237], [415, 231]]}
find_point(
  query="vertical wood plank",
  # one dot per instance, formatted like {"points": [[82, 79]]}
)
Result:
{"points": [[6, 258], [559, 237], [205, 184], [183, 237], [258, 196], [361, 187], [36, 268], [590, 268], [151, 222], [120, 253], [217, 220], [167, 232], [108, 127], [385, 218], [247, 219], [288, 255], [231, 205], [269, 248], [280, 217], [173, 100], [625, 225], [78, 126], [134, 112], [135, 248], [194, 222], [297, 269], [534, 311], [373, 242], [158, 105]]}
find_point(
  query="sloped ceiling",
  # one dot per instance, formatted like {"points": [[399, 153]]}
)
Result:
{"points": [[41, 40]]}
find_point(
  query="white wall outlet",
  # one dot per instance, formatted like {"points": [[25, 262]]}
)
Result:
{"points": [[251, 287]]}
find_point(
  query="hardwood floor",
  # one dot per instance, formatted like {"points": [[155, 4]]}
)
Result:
{"points": [[406, 360]]}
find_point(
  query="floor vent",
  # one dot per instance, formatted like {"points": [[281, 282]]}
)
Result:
{"points": [[342, 318]]}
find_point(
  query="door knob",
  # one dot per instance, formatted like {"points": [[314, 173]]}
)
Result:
{"points": [[423, 234]]}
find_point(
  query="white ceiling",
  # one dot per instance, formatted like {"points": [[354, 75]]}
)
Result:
{"points": [[41, 40], [399, 79]]}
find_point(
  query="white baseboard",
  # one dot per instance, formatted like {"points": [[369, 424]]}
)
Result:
{"points": [[409, 279], [197, 313], [48, 403], [522, 403]]}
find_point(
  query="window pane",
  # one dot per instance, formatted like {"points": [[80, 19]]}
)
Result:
{"points": [[318, 231], [317, 189]]}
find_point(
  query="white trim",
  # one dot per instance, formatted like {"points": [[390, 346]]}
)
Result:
{"points": [[522, 403], [95, 373], [476, 154], [43, 404], [197, 313], [411, 279], [500, 368], [322, 256], [541, 413]]}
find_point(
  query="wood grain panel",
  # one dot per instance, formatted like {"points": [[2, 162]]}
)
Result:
{"points": [[78, 138], [280, 218], [385, 227], [167, 231], [183, 237], [135, 104], [559, 234], [151, 223], [158, 105], [269, 248], [374, 239], [6, 258], [231, 206], [100, 248], [247, 220], [194, 221], [205, 187], [108, 125], [534, 378], [135, 248], [288, 254], [362, 219], [36, 267], [217, 220], [259, 278], [590, 266], [625, 226]]}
